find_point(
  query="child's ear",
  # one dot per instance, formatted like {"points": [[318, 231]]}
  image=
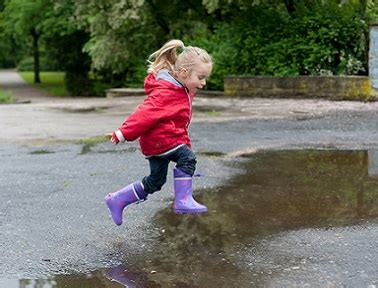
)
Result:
{"points": [[184, 72]]}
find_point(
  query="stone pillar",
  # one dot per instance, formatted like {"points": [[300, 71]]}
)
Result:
{"points": [[373, 55]]}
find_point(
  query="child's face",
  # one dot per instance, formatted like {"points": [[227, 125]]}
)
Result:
{"points": [[196, 78]]}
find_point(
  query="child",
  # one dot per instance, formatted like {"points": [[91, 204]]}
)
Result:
{"points": [[161, 123]]}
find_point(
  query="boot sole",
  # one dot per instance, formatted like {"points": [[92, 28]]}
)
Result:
{"points": [[112, 208]]}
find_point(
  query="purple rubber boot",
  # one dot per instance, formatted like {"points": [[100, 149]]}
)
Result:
{"points": [[117, 201], [184, 201]]}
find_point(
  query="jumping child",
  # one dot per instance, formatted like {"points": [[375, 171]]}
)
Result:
{"points": [[161, 123]]}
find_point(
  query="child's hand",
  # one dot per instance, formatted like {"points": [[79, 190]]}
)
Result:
{"points": [[110, 136]]}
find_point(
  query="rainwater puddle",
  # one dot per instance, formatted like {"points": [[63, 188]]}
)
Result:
{"points": [[290, 202]]}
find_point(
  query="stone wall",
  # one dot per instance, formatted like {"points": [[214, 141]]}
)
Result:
{"points": [[124, 92], [328, 87]]}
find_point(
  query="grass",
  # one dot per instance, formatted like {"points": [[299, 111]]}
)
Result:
{"points": [[52, 82], [88, 143], [213, 113], [5, 97], [42, 151]]}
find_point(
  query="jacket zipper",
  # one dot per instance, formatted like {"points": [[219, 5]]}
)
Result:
{"points": [[190, 107]]}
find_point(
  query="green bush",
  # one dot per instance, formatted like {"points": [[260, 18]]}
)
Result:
{"points": [[77, 84], [99, 88], [326, 39], [6, 63]]}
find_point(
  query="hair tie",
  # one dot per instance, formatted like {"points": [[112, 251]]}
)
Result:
{"points": [[181, 49]]}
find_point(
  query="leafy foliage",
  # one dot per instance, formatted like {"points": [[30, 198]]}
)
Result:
{"points": [[328, 39], [113, 38]]}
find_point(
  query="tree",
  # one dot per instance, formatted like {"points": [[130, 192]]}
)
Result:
{"points": [[124, 33], [25, 19], [65, 41], [115, 29], [6, 59], [113, 38]]}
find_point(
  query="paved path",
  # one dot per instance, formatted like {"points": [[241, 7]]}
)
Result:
{"points": [[12, 82], [55, 118]]}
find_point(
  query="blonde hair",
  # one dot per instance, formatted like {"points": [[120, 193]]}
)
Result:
{"points": [[168, 58]]}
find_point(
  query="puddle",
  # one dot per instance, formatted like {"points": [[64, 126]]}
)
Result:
{"points": [[282, 191]]}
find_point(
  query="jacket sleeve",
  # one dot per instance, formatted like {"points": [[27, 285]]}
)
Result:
{"points": [[145, 117]]}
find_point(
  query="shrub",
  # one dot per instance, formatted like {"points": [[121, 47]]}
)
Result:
{"points": [[327, 39]]}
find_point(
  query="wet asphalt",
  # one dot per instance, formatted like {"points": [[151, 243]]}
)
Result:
{"points": [[53, 220]]}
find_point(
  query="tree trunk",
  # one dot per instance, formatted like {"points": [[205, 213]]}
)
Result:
{"points": [[159, 17], [290, 6], [363, 6], [35, 36]]}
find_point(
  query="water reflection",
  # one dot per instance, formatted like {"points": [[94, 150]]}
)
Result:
{"points": [[281, 191], [373, 164], [130, 279]]}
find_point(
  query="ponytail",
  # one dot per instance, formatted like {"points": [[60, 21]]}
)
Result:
{"points": [[165, 57]]}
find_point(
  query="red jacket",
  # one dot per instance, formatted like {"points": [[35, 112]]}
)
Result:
{"points": [[162, 120]]}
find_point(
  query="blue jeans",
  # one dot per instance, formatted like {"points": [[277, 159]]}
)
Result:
{"points": [[183, 157]]}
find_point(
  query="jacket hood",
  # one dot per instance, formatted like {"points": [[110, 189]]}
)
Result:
{"points": [[163, 80]]}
